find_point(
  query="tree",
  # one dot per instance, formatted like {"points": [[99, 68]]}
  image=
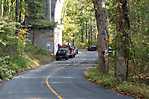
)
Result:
{"points": [[101, 19], [17, 10], [123, 27], [79, 23]]}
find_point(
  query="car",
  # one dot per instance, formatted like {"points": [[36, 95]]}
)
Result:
{"points": [[110, 50], [76, 51], [62, 53], [70, 49], [92, 48]]}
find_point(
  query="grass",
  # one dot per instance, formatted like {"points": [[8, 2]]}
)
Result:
{"points": [[32, 57], [138, 90], [38, 56]]}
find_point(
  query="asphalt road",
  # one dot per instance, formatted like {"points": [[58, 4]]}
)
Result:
{"points": [[58, 80]]}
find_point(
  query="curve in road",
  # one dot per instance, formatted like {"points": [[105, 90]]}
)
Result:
{"points": [[65, 79]]}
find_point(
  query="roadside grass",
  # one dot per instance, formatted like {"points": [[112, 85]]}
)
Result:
{"points": [[33, 57], [38, 56], [135, 89]]}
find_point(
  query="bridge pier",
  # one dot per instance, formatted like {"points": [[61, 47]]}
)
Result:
{"points": [[53, 12]]}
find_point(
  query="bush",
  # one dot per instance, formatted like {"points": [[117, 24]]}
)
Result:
{"points": [[21, 63], [8, 38], [9, 66], [6, 68], [36, 50], [42, 24], [104, 79], [138, 90]]}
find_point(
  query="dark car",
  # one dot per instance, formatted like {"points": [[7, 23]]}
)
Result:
{"points": [[92, 48], [76, 51], [62, 53]]}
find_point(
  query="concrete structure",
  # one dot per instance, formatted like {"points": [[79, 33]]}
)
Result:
{"points": [[43, 38], [46, 38], [53, 12], [58, 18]]}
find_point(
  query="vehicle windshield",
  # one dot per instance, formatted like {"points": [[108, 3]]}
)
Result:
{"points": [[63, 49]]}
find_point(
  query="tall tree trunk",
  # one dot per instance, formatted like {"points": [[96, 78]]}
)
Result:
{"points": [[123, 40], [82, 33], [86, 32], [9, 8], [101, 19], [2, 8], [17, 10]]}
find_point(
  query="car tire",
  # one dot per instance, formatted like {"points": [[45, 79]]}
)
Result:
{"points": [[57, 59], [66, 58]]}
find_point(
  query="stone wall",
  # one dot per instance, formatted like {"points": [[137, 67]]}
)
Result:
{"points": [[43, 38]]}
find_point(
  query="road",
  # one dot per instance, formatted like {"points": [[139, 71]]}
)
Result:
{"points": [[58, 80]]}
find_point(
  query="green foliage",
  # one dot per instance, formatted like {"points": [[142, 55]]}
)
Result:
{"points": [[38, 55], [35, 9], [13, 58], [106, 80], [140, 35], [35, 50], [11, 65], [79, 23], [21, 41], [36, 16], [139, 32], [42, 24], [21, 63], [6, 68], [8, 39], [140, 91], [7, 31]]}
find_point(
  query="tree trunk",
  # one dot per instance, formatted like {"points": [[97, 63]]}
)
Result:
{"points": [[2, 8], [82, 33], [86, 32], [123, 40], [101, 19], [17, 10]]}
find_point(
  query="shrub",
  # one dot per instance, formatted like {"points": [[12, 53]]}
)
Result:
{"points": [[6, 68], [138, 90]]}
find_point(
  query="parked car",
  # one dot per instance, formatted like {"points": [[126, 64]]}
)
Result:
{"points": [[76, 51], [110, 50], [92, 48], [62, 53]]}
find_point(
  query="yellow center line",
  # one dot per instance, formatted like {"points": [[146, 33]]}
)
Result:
{"points": [[52, 89]]}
